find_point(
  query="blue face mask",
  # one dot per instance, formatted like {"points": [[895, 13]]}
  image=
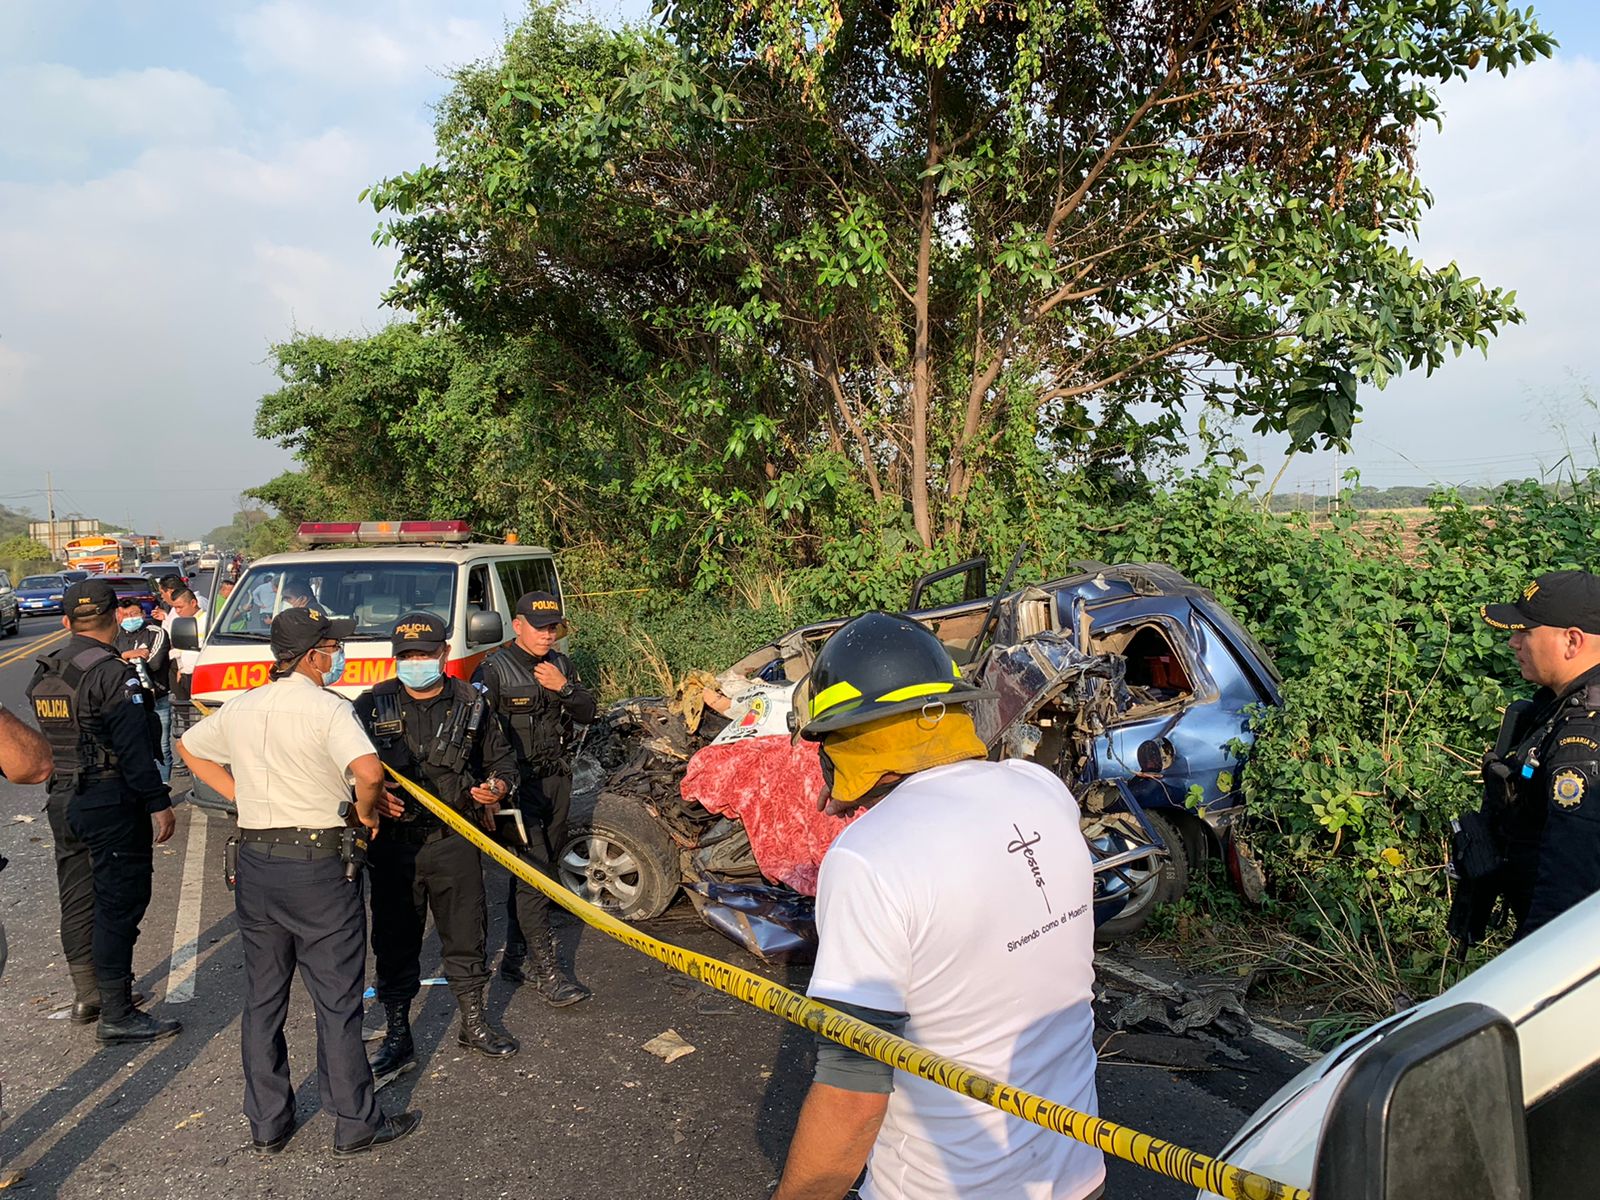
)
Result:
{"points": [[335, 669], [419, 674], [132, 623]]}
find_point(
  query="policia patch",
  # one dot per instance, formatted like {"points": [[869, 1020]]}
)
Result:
{"points": [[1567, 787]]}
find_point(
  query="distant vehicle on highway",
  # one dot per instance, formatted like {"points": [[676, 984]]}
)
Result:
{"points": [[137, 586], [41, 593], [155, 570], [209, 562], [73, 575], [10, 614]]}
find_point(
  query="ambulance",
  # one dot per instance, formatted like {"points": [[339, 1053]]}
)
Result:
{"points": [[370, 572]]}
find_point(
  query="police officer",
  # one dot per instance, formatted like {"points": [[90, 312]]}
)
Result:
{"points": [[104, 738], [144, 643], [295, 748], [1549, 774], [535, 691], [439, 732]]}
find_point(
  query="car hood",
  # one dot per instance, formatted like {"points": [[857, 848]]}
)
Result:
{"points": [[1547, 986]]}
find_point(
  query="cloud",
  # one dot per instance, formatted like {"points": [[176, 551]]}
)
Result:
{"points": [[358, 45], [58, 117]]}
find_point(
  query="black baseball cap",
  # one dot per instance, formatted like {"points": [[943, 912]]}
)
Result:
{"points": [[419, 631], [540, 609], [297, 630], [90, 598], [1563, 599]]}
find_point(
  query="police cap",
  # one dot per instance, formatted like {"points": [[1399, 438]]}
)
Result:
{"points": [[89, 598], [1564, 599], [297, 630], [540, 609], [419, 631]]}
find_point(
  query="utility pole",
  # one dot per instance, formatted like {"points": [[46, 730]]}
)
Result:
{"points": [[1333, 500], [50, 504]]}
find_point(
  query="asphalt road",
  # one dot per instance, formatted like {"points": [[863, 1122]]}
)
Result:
{"points": [[582, 1112]]}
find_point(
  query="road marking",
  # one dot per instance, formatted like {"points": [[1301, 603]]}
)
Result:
{"points": [[1267, 1037], [22, 653], [186, 930]]}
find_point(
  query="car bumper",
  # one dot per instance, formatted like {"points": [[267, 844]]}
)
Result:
{"points": [[29, 607]]}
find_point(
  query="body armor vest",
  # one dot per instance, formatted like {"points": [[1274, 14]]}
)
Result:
{"points": [[444, 760], [538, 722], [77, 739]]}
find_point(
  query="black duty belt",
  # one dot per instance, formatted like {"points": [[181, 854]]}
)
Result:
{"points": [[414, 833], [295, 842]]}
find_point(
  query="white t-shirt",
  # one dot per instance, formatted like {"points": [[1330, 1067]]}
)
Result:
{"points": [[964, 899], [290, 745]]}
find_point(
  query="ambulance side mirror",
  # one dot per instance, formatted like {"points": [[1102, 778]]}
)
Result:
{"points": [[184, 632], [484, 627], [1432, 1110]]}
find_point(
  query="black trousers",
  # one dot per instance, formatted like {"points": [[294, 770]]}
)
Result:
{"points": [[104, 863], [409, 877], [546, 804], [294, 913], [74, 884]]}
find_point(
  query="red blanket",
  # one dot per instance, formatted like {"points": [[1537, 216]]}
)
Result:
{"points": [[772, 787]]}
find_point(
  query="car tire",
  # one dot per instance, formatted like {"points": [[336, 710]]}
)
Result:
{"points": [[1155, 884], [618, 858]]}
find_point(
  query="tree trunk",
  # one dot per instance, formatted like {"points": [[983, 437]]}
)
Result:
{"points": [[921, 367]]}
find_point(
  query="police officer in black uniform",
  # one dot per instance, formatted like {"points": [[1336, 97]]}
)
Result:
{"points": [[105, 741], [1542, 784], [439, 732], [535, 691]]}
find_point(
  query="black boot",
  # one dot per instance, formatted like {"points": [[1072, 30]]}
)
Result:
{"points": [[552, 978], [395, 1053], [86, 995], [122, 1023], [478, 1033], [513, 963]]}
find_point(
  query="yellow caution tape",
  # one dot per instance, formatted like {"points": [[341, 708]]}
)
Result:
{"points": [[1153, 1154]]}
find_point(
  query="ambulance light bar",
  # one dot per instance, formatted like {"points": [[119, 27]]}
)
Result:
{"points": [[383, 533]]}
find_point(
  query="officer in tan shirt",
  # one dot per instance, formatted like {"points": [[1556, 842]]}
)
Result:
{"points": [[295, 749]]}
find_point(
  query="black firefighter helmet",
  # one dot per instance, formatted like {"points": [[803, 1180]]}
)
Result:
{"points": [[874, 666]]}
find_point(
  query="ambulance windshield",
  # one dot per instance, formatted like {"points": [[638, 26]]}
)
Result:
{"points": [[373, 594]]}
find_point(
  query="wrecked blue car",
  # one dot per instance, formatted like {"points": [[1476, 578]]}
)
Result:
{"points": [[1130, 682]]}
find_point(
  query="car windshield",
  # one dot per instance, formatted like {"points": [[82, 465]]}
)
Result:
{"points": [[42, 581], [373, 594]]}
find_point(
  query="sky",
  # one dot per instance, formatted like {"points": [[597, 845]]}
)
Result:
{"points": [[178, 191]]}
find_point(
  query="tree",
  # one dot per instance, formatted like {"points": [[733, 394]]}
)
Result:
{"points": [[21, 555], [948, 250]]}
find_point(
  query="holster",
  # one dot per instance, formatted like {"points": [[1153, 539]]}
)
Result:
{"points": [[230, 863], [353, 850]]}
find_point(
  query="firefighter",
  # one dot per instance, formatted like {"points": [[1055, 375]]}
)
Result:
{"points": [[105, 791], [957, 911], [439, 732], [535, 692]]}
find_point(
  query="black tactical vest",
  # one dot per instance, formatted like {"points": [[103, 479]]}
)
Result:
{"points": [[444, 761], [538, 722], [77, 739]]}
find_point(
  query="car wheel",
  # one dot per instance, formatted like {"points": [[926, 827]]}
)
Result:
{"points": [[1145, 883], [619, 859]]}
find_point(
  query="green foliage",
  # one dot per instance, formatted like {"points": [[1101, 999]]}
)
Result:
{"points": [[20, 555], [769, 269]]}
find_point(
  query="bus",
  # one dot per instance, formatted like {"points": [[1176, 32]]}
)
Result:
{"points": [[98, 555]]}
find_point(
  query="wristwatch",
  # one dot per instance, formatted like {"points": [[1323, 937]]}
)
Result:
{"points": [[566, 690]]}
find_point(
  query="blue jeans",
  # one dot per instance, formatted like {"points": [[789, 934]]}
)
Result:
{"points": [[164, 711]]}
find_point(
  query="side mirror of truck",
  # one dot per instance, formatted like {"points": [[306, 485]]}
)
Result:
{"points": [[184, 632], [1433, 1110], [484, 627]]}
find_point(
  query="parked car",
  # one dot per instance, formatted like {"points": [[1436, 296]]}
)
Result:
{"points": [[1490, 1089], [10, 610], [137, 586], [41, 593], [1129, 681]]}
